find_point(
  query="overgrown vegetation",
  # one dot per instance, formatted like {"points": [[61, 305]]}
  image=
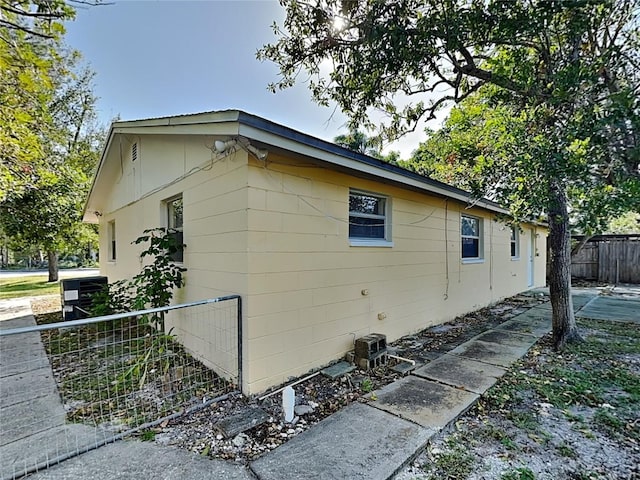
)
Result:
{"points": [[452, 464], [153, 287], [128, 372], [124, 374], [592, 374]]}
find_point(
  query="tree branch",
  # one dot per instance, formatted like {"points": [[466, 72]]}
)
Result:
{"points": [[15, 26]]}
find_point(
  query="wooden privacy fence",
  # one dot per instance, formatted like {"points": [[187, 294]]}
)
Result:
{"points": [[608, 258]]}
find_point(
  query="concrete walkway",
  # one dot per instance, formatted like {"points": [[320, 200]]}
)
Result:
{"points": [[362, 441], [376, 440], [35, 437], [33, 433]]}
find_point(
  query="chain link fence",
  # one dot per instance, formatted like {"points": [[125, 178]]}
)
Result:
{"points": [[67, 387]]}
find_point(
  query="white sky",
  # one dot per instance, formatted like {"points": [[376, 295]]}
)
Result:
{"points": [[170, 57]]}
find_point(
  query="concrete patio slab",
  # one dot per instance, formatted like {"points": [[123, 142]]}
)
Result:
{"points": [[505, 337], [22, 352], [529, 326], [26, 320], [46, 448], [543, 306], [338, 370], [541, 312], [15, 360], [13, 308], [580, 300], [29, 417], [460, 372], [39, 383], [241, 422], [618, 309], [19, 341], [424, 402], [139, 460], [358, 442], [493, 353]]}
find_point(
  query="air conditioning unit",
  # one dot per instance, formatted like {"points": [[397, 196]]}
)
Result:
{"points": [[77, 295]]}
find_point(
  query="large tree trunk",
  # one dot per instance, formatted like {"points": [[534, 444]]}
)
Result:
{"points": [[52, 257], [565, 329]]}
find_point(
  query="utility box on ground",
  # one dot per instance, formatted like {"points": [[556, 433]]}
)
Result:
{"points": [[77, 295]]}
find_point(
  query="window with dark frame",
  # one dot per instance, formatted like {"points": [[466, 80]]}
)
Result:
{"points": [[175, 208], [111, 233], [470, 230], [515, 243], [368, 216]]}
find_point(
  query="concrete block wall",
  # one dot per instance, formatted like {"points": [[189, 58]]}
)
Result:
{"points": [[306, 304], [215, 234], [277, 234]]}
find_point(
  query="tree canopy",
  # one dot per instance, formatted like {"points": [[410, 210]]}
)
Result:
{"points": [[563, 75], [362, 143], [30, 33], [49, 141], [495, 150]]}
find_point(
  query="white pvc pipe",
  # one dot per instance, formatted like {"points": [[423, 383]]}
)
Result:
{"points": [[290, 385], [402, 359]]}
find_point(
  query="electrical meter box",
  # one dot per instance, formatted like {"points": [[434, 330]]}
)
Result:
{"points": [[77, 295]]}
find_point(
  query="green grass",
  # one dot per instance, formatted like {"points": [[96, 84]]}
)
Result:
{"points": [[27, 287]]}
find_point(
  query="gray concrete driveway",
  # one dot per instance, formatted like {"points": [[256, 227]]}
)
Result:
{"points": [[67, 273]]}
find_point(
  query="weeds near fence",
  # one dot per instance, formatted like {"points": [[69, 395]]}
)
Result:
{"points": [[124, 373]]}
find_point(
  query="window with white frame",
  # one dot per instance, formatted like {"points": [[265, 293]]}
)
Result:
{"points": [[111, 239], [369, 218], [515, 242], [174, 209], [471, 236]]}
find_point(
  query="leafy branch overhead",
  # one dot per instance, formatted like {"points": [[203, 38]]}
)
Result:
{"points": [[377, 49], [49, 137], [549, 117]]}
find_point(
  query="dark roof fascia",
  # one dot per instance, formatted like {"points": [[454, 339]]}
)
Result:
{"points": [[314, 142], [253, 121]]}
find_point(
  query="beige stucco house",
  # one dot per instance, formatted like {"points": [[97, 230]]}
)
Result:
{"points": [[323, 244]]}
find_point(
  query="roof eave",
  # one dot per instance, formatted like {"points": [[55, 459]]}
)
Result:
{"points": [[271, 133]]}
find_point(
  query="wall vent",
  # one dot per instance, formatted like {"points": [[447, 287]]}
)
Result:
{"points": [[134, 152]]}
